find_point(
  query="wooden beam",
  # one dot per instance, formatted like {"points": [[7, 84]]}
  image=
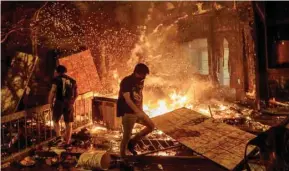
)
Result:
{"points": [[260, 12], [260, 33]]}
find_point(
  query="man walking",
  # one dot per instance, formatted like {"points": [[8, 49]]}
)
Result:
{"points": [[64, 90], [129, 107]]}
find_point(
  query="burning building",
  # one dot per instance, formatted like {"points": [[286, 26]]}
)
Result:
{"points": [[227, 61]]}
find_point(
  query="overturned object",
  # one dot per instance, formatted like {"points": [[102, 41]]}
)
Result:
{"points": [[217, 141], [94, 160]]}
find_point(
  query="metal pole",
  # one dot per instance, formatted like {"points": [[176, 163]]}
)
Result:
{"points": [[75, 123], [50, 122], [160, 145], [3, 132], [25, 127], [81, 113], [44, 116], [210, 111], [37, 127], [151, 143], [18, 135], [10, 130]]}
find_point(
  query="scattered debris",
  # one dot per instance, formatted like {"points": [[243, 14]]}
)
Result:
{"points": [[27, 161]]}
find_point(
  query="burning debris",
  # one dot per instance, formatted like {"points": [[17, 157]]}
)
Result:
{"points": [[189, 69], [101, 143]]}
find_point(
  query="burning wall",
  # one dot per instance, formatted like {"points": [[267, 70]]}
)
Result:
{"points": [[163, 43]]}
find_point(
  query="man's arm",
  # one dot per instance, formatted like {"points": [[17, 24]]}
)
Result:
{"points": [[131, 104], [51, 94]]}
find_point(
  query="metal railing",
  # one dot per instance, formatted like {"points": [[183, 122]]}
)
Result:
{"points": [[24, 130]]}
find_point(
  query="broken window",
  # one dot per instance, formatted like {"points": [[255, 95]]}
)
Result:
{"points": [[199, 55], [224, 76]]}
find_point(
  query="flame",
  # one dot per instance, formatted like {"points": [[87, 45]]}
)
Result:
{"points": [[204, 111], [97, 129], [116, 76], [163, 153], [222, 107], [175, 100], [159, 132], [49, 123]]}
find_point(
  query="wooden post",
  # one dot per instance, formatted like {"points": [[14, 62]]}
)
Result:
{"points": [[261, 55]]}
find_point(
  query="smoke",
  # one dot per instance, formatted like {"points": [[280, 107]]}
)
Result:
{"points": [[169, 61], [172, 69]]}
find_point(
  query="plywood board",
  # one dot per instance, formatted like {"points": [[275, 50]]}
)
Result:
{"points": [[17, 78], [81, 67], [219, 142]]}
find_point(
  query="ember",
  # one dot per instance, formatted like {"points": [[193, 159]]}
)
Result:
{"points": [[216, 68]]}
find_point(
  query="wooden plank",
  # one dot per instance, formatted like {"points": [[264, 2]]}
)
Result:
{"points": [[12, 117], [219, 142], [274, 112], [22, 114]]}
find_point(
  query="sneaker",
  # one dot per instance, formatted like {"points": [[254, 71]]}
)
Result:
{"points": [[67, 146], [56, 141], [131, 147]]}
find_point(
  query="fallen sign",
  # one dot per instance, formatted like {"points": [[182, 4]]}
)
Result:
{"points": [[219, 142]]}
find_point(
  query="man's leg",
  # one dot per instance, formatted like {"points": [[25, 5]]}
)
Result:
{"points": [[149, 127], [68, 119], [57, 128], [68, 132], [128, 121], [56, 115]]}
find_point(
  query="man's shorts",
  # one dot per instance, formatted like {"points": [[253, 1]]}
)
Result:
{"points": [[64, 108]]}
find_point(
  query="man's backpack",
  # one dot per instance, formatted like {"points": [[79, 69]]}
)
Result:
{"points": [[69, 89]]}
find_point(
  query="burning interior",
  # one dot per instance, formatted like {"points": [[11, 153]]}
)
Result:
{"points": [[207, 57]]}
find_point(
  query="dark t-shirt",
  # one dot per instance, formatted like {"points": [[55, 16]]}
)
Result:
{"points": [[65, 87], [134, 86]]}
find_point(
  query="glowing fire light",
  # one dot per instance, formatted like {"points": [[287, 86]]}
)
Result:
{"points": [[163, 153], [49, 123], [163, 106], [204, 111], [177, 100], [97, 129], [159, 132], [222, 107]]}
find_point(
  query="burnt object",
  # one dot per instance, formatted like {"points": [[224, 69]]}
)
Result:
{"points": [[274, 148], [282, 52], [104, 111]]}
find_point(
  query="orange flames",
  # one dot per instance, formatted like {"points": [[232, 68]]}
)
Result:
{"points": [[174, 98], [163, 106]]}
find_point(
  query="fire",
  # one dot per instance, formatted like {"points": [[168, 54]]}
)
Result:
{"points": [[49, 123], [163, 106], [97, 129], [222, 107], [204, 111], [116, 76], [163, 153], [159, 132], [178, 100]]}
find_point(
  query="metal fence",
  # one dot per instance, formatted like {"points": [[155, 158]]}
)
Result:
{"points": [[22, 131]]}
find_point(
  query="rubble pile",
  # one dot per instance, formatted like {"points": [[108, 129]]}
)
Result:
{"points": [[98, 138]]}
